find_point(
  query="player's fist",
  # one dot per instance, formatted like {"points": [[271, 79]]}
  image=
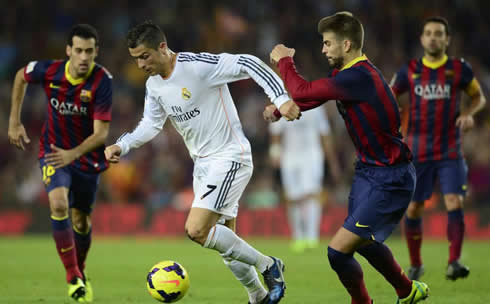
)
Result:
{"points": [[113, 153], [280, 51], [290, 110], [18, 136], [465, 122], [269, 115]]}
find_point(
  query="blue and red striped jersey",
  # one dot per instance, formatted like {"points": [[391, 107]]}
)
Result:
{"points": [[72, 107], [364, 100], [434, 105]]}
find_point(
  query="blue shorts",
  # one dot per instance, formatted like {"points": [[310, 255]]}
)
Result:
{"points": [[451, 174], [378, 199], [82, 185]]}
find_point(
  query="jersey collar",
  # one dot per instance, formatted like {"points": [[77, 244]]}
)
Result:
{"points": [[77, 81], [436, 64], [354, 61]]}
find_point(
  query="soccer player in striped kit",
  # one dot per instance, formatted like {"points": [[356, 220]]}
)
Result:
{"points": [[71, 148], [435, 124], [384, 178], [190, 90]]}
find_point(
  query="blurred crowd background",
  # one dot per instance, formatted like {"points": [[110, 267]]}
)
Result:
{"points": [[160, 173]]}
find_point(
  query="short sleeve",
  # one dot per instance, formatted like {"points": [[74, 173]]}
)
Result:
{"points": [[399, 83], [35, 71], [466, 74], [103, 99]]}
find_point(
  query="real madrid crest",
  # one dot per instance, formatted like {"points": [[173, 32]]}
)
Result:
{"points": [[85, 95], [186, 94]]}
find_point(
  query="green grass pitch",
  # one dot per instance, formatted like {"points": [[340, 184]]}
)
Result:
{"points": [[30, 272]]}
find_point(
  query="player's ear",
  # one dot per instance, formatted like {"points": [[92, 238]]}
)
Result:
{"points": [[96, 51], [347, 44], [68, 50], [162, 47]]}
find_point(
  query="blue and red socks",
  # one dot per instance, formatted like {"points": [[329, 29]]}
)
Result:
{"points": [[381, 258], [65, 245], [350, 274], [82, 245], [455, 233], [413, 234]]}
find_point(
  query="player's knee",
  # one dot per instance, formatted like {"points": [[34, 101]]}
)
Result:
{"points": [[453, 201], [59, 207], [415, 210], [197, 234], [81, 224]]}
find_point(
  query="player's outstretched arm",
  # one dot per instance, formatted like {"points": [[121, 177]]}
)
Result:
{"points": [[16, 132]]}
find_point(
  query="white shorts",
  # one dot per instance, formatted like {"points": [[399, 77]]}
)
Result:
{"points": [[301, 179], [219, 184]]}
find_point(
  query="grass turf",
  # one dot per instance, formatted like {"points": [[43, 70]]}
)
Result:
{"points": [[32, 273]]}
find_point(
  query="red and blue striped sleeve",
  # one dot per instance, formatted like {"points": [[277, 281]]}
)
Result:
{"points": [[35, 71], [103, 97], [346, 86], [466, 74], [399, 83]]}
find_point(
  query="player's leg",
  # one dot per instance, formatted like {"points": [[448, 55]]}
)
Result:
{"points": [[62, 232], [341, 257], [426, 175], [83, 238], [414, 236], [312, 177], [389, 197], [218, 186], [84, 188], [291, 182], [452, 177], [246, 274], [57, 183]]}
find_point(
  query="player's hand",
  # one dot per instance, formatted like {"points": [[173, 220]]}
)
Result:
{"points": [[290, 111], [465, 122], [113, 154], [18, 136], [269, 113], [280, 51], [59, 158]]}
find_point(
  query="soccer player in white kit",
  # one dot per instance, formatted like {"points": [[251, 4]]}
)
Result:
{"points": [[298, 149], [191, 91]]}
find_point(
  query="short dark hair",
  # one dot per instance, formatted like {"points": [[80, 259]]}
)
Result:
{"points": [[146, 33], [345, 25], [85, 31], [438, 19]]}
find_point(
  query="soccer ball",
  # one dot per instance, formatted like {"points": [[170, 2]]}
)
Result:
{"points": [[167, 281]]}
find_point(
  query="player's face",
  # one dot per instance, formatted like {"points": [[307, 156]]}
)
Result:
{"points": [[333, 50], [82, 54], [434, 39], [150, 60]]}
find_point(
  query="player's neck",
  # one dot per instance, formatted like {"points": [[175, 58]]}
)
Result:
{"points": [[169, 68], [349, 57], [434, 58]]}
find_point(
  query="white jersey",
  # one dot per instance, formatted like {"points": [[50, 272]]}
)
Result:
{"points": [[196, 99], [301, 139]]}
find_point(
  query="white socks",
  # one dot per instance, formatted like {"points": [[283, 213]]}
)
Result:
{"points": [[226, 242], [313, 217], [296, 221], [247, 275]]}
